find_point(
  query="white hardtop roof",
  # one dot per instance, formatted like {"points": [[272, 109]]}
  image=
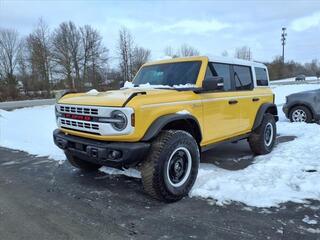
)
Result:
{"points": [[235, 61]]}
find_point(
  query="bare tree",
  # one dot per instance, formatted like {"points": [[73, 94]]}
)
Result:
{"points": [[169, 51], [125, 52], [62, 55], [225, 53], [23, 67], [243, 53], [76, 53], [140, 57], [95, 55], [10, 48], [67, 53], [39, 47], [187, 51]]}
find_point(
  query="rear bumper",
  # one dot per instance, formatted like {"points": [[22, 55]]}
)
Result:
{"points": [[114, 154]]}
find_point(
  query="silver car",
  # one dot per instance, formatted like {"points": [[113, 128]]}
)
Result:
{"points": [[303, 106]]}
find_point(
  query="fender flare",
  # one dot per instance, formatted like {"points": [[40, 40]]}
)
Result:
{"points": [[266, 107], [162, 121]]}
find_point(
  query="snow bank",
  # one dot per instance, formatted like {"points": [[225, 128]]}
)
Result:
{"points": [[282, 91], [30, 130], [289, 173], [131, 172], [293, 79]]}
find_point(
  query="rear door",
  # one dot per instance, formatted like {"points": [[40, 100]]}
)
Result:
{"points": [[248, 102]]}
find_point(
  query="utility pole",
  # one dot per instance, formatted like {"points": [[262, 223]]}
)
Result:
{"points": [[283, 41]]}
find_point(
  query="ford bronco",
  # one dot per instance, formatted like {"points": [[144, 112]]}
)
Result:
{"points": [[161, 122]]}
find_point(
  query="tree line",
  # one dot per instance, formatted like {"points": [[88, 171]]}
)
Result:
{"points": [[75, 57], [69, 57], [277, 68]]}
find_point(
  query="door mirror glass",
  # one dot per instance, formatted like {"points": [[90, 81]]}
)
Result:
{"points": [[212, 83]]}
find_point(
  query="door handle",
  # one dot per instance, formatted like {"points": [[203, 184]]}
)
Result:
{"points": [[233, 101], [255, 99]]}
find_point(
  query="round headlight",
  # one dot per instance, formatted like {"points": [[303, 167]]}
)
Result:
{"points": [[120, 120]]}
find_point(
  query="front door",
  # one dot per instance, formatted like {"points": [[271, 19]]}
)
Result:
{"points": [[221, 111]]}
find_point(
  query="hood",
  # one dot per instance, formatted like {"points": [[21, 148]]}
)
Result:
{"points": [[316, 91], [116, 98]]}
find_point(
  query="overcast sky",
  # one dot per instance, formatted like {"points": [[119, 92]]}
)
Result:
{"points": [[210, 26]]}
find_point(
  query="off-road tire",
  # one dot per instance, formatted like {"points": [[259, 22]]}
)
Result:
{"points": [[301, 108], [154, 170], [257, 139], [81, 164]]}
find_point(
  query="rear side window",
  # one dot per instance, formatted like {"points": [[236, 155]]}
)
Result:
{"points": [[220, 70], [242, 77], [261, 76]]}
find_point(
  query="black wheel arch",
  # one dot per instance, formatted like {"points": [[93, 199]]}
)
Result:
{"points": [[175, 121], [265, 108]]}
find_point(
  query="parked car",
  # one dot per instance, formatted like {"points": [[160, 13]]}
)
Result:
{"points": [[303, 106], [173, 110], [300, 77]]}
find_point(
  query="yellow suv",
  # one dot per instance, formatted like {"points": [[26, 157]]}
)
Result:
{"points": [[171, 112]]}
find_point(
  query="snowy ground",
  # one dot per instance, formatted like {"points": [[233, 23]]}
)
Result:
{"points": [[293, 79], [290, 173]]}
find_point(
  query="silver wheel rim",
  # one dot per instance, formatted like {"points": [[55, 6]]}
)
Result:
{"points": [[175, 163], [299, 115], [268, 134]]}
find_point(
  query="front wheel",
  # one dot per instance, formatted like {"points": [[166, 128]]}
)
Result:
{"points": [[262, 139], [171, 168]]}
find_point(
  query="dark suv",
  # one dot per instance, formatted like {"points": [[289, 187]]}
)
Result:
{"points": [[303, 106]]}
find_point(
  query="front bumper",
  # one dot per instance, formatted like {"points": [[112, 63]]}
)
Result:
{"points": [[114, 154]]}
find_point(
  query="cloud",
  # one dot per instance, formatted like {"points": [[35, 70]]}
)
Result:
{"points": [[304, 23], [194, 26], [186, 26]]}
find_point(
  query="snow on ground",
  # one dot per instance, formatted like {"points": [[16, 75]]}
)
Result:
{"points": [[290, 173], [293, 79], [281, 91], [308, 220], [30, 130]]}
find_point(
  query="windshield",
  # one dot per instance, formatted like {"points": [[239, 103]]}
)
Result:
{"points": [[169, 74]]}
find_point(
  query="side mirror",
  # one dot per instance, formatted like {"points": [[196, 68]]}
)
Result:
{"points": [[212, 83]]}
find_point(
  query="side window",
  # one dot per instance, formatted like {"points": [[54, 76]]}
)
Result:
{"points": [[222, 70], [261, 76], [208, 73], [242, 77]]}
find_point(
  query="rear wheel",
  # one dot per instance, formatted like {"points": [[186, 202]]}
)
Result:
{"points": [[262, 139], [81, 164], [300, 114], [171, 168]]}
